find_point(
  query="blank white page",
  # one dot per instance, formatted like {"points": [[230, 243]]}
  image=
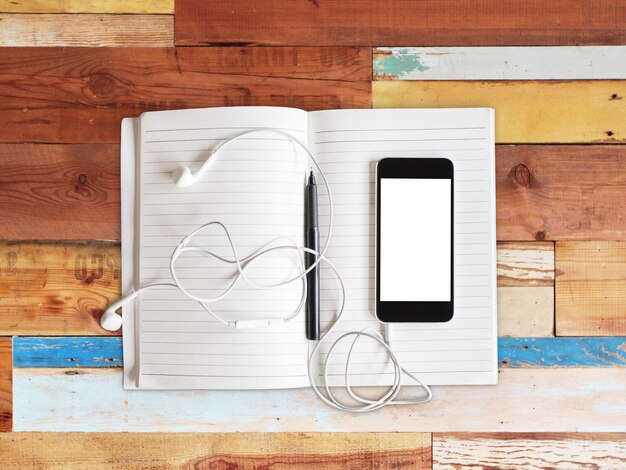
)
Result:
{"points": [[255, 186], [348, 144]]}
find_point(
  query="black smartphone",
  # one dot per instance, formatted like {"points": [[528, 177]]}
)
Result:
{"points": [[414, 240]]}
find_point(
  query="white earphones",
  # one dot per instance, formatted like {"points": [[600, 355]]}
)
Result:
{"points": [[183, 177]]}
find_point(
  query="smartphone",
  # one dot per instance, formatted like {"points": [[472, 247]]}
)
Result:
{"points": [[414, 240]]}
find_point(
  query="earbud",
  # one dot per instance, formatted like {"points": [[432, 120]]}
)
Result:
{"points": [[183, 177], [112, 321]]}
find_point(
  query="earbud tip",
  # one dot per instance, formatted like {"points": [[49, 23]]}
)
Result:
{"points": [[182, 177], [111, 321]]}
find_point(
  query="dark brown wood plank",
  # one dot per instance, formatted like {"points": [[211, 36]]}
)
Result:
{"points": [[81, 94], [50, 191], [401, 22], [277, 451], [560, 192], [6, 385]]}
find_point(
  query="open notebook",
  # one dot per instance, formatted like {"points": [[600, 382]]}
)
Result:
{"points": [[256, 187]]}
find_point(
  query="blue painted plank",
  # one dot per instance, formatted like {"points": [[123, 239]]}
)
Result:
{"points": [[512, 352], [563, 352], [69, 351]]}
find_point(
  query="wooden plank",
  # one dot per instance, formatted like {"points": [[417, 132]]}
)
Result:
{"points": [[81, 94], [529, 450], [562, 352], [525, 264], [400, 22], [525, 311], [67, 191], [591, 288], [57, 30], [526, 111], [560, 192], [62, 287], [526, 399], [6, 385], [53, 288], [106, 352], [331, 451], [500, 63], [87, 6]]}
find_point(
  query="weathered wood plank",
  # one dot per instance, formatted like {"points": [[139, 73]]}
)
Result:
{"points": [[525, 264], [557, 192], [526, 311], [238, 450], [6, 385], [57, 30], [500, 63], [59, 191], [400, 22], [61, 288], [526, 111], [104, 352], [81, 94], [562, 352], [52, 288], [591, 288], [529, 450], [87, 6], [551, 400]]}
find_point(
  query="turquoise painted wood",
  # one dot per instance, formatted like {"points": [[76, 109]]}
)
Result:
{"points": [[67, 352], [70, 351]]}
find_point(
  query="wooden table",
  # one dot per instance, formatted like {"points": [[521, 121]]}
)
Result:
{"points": [[561, 186]]}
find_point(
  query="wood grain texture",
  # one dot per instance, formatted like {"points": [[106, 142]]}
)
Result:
{"points": [[87, 6], [53, 288], [219, 451], [56, 30], [526, 111], [525, 311], [500, 63], [591, 288], [560, 192], [6, 385], [401, 22], [530, 450], [106, 352], [59, 191], [81, 94], [62, 287], [551, 400]]}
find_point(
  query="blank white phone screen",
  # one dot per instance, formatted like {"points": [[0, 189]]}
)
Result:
{"points": [[415, 245]]}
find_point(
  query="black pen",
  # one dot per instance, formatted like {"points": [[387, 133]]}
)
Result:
{"points": [[313, 277]]}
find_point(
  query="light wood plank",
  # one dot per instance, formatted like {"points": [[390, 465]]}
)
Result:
{"points": [[525, 264], [526, 112], [525, 311], [54, 30], [560, 192], [62, 287], [238, 450], [6, 385], [401, 22], [59, 191], [536, 450], [81, 94], [591, 288], [87, 6], [53, 288], [549, 400], [500, 63]]}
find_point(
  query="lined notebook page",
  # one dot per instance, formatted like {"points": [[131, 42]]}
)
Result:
{"points": [[347, 144], [255, 187]]}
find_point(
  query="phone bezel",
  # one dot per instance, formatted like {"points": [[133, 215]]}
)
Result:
{"points": [[414, 311]]}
